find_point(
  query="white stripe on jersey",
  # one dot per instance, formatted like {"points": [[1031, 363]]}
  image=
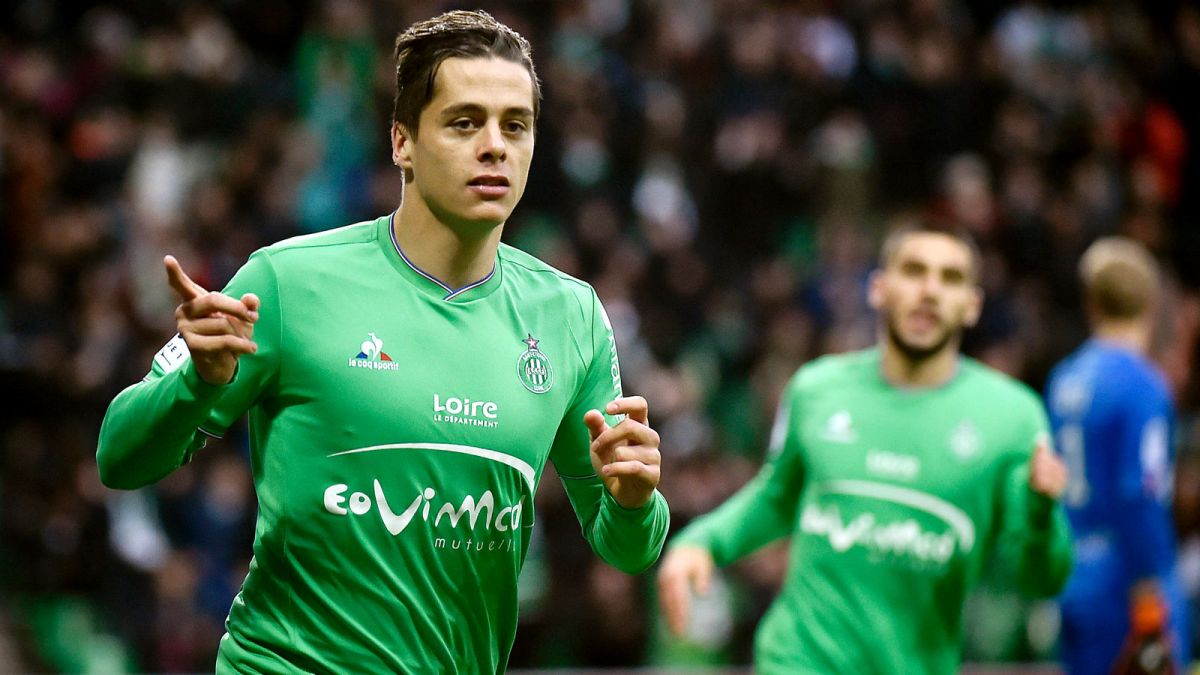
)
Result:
{"points": [[496, 456]]}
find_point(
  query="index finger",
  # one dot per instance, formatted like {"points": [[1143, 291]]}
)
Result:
{"points": [[180, 281], [635, 407], [595, 423], [629, 432]]}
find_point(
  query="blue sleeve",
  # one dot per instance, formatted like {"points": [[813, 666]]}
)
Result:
{"points": [[1144, 481]]}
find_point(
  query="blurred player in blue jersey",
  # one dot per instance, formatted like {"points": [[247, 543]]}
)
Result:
{"points": [[1112, 414]]}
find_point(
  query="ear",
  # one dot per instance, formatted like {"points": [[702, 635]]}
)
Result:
{"points": [[401, 147], [875, 290], [974, 308]]}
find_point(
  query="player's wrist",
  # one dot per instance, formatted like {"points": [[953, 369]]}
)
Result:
{"points": [[200, 385], [635, 504], [1040, 509]]}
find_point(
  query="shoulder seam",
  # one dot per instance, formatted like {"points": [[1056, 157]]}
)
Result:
{"points": [[318, 239], [281, 248], [547, 269]]}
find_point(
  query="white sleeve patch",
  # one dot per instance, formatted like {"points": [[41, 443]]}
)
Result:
{"points": [[1156, 458], [779, 429], [172, 355]]}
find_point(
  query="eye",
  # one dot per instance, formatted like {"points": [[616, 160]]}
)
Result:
{"points": [[463, 124], [515, 127], [954, 277]]}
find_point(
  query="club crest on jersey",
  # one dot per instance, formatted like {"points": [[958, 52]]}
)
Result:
{"points": [[533, 368], [964, 440], [839, 428], [372, 356]]}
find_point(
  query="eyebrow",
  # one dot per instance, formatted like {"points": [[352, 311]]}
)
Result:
{"points": [[952, 269], [475, 109]]}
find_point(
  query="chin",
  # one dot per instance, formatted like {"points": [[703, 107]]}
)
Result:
{"points": [[476, 218], [477, 225], [918, 350], [488, 217]]}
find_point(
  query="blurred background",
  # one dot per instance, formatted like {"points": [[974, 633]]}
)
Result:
{"points": [[720, 170]]}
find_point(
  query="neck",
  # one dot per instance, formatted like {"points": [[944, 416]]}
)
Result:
{"points": [[1133, 334], [902, 370], [442, 251]]}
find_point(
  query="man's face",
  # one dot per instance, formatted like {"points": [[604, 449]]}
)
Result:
{"points": [[926, 294], [471, 161]]}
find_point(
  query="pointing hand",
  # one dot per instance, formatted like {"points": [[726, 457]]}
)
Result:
{"points": [[217, 328]]}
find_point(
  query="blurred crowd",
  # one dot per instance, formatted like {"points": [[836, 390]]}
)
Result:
{"points": [[720, 170]]}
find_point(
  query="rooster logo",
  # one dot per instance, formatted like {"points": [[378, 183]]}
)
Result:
{"points": [[372, 349]]}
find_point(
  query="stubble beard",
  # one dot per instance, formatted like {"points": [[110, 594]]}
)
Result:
{"points": [[917, 354]]}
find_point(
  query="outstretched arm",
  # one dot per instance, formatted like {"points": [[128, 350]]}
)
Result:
{"points": [[763, 511]]}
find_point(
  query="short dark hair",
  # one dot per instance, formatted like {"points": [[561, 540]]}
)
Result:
{"points": [[421, 49], [895, 238]]}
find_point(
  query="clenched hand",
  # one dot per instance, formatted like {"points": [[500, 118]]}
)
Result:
{"points": [[626, 456]]}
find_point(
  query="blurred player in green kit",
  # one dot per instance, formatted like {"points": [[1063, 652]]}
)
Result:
{"points": [[407, 379], [896, 471]]}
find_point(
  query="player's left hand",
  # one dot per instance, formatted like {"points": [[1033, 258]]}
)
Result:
{"points": [[1047, 473], [626, 456]]}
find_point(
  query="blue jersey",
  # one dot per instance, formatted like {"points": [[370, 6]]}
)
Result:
{"points": [[1111, 414]]}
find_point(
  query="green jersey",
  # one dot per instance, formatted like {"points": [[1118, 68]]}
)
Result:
{"points": [[397, 432], [894, 498]]}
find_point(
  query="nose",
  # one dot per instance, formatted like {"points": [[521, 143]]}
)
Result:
{"points": [[931, 286], [492, 147]]}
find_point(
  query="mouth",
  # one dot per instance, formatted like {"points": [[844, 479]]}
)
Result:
{"points": [[923, 319], [489, 186]]}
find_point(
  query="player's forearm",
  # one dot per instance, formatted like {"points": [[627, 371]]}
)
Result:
{"points": [[150, 428], [630, 539], [1047, 555], [742, 525]]}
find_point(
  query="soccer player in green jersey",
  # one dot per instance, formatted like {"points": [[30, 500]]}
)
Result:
{"points": [[896, 471], [407, 379]]}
